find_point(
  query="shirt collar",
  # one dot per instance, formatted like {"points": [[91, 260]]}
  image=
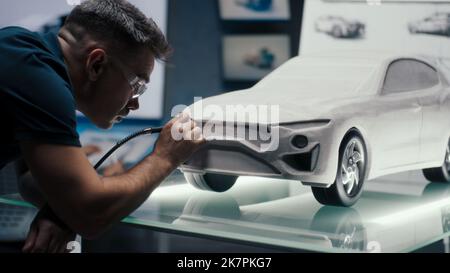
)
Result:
{"points": [[51, 39]]}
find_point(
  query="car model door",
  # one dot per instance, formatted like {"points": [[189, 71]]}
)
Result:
{"points": [[398, 121], [433, 98]]}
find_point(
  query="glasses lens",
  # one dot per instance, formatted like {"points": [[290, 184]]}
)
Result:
{"points": [[139, 89]]}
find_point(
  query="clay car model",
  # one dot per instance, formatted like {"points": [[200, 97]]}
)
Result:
{"points": [[343, 119], [339, 27]]}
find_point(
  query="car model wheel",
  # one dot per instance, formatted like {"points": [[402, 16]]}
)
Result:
{"points": [[440, 174], [347, 187], [343, 227], [337, 32], [210, 181]]}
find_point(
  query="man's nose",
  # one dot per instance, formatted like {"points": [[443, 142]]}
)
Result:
{"points": [[133, 104]]}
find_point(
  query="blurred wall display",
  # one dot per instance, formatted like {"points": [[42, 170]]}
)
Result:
{"points": [[36, 14], [436, 24], [15, 223], [129, 154], [254, 9], [340, 27], [407, 26], [251, 57]]}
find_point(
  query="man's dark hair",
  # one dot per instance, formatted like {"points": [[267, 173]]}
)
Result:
{"points": [[119, 24]]}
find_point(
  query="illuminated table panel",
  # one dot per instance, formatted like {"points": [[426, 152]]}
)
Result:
{"points": [[399, 213]]}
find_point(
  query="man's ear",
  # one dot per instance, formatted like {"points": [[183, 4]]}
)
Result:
{"points": [[96, 63]]}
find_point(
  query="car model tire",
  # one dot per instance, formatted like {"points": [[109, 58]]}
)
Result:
{"points": [[210, 181], [350, 177], [343, 227], [440, 174]]}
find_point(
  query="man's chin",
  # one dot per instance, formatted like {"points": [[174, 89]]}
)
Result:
{"points": [[105, 125], [110, 123]]}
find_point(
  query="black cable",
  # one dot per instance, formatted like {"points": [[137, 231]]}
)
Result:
{"points": [[119, 144]]}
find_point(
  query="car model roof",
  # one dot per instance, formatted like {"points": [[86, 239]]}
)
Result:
{"points": [[370, 58]]}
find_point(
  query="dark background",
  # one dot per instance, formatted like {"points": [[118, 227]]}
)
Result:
{"points": [[195, 30]]}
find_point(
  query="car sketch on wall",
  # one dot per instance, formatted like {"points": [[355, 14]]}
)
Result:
{"points": [[252, 57], [264, 59], [339, 27], [343, 118], [255, 10], [436, 24], [256, 5]]}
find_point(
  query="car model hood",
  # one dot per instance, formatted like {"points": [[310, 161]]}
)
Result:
{"points": [[303, 89], [233, 107]]}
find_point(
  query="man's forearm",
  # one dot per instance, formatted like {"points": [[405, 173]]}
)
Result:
{"points": [[118, 195], [121, 195], [88, 203]]}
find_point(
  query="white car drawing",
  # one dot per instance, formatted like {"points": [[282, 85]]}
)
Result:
{"points": [[344, 118], [339, 27], [438, 24]]}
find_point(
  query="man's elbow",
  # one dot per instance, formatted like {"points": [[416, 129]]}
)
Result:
{"points": [[90, 227], [89, 233], [87, 219], [90, 216]]}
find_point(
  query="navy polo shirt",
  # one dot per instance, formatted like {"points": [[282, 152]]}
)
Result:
{"points": [[36, 97]]}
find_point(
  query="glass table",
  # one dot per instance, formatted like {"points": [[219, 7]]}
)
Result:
{"points": [[399, 213]]}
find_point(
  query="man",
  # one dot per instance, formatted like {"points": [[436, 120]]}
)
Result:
{"points": [[99, 63]]}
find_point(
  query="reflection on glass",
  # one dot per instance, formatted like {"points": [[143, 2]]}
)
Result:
{"points": [[399, 213]]}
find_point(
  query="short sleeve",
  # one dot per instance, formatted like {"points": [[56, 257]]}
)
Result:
{"points": [[40, 102]]}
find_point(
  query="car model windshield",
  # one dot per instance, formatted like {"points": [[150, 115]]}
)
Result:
{"points": [[318, 77]]}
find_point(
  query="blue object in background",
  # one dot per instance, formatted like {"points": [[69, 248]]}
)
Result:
{"points": [[257, 5], [131, 153], [267, 59]]}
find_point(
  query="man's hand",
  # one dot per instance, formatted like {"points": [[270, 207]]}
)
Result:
{"points": [[91, 150], [48, 234], [113, 169], [179, 139]]}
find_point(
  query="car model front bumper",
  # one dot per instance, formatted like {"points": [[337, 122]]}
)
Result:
{"points": [[314, 161]]}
